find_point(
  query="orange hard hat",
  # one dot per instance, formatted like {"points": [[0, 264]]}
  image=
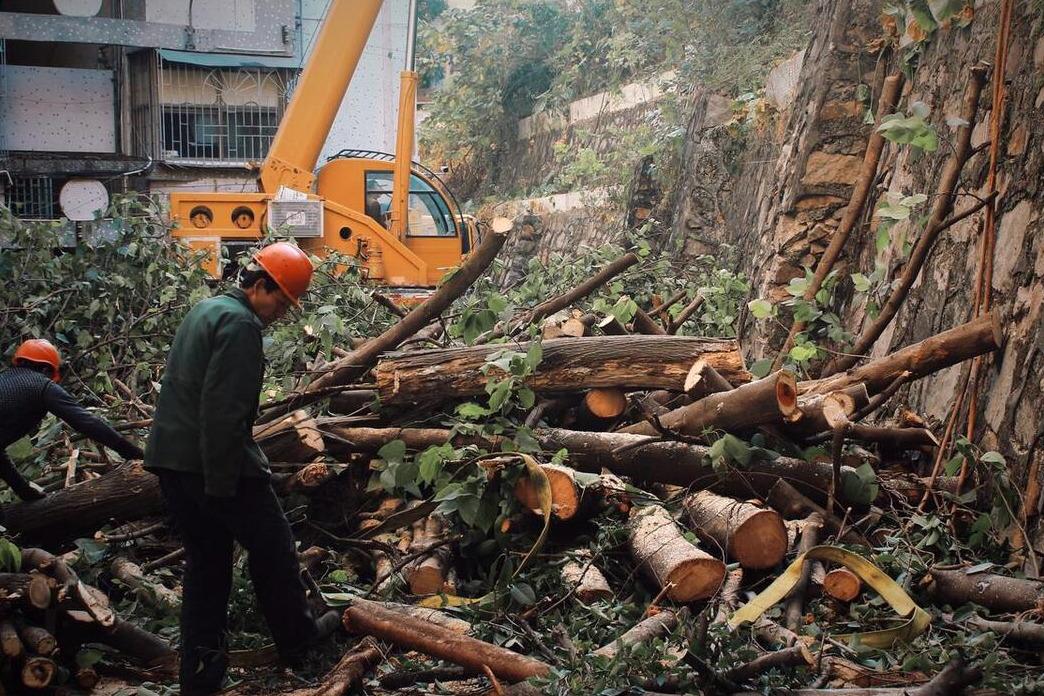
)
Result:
{"points": [[288, 266], [38, 350]]}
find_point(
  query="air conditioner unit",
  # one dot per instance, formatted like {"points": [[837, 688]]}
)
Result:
{"points": [[296, 218]]}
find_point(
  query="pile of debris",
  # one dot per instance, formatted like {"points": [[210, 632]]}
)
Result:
{"points": [[566, 441]]}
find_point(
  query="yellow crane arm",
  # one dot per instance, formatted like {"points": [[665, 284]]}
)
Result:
{"points": [[318, 95]]}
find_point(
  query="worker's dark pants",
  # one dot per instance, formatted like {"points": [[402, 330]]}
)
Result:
{"points": [[208, 526]]}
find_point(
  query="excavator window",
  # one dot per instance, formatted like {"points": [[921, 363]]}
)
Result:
{"points": [[429, 215]]}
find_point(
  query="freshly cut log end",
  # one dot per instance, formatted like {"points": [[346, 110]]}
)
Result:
{"points": [[755, 537], [10, 644], [606, 402], [565, 493], [34, 588], [427, 577], [38, 672], [842, 584], [787, 395], [501, 225], [688, 573], [574, 327]]}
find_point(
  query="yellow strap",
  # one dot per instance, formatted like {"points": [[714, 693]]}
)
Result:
{"points": [[916, 623]]}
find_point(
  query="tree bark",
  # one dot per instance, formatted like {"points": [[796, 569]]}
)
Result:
{"points": [[152, 593], [348, 368], [588, 583], [569, 364], [767, 400], [977, 337], [436, 641], [1021, 631], [127, 492], [685, 314], [795, 656], [33, 589], [649, 628], [38, 640], [427, 574], [796, 603], [792, 504], [684, 571], [751, 535], [951, 681], [348, 671], [646, 325], [995, 592]]}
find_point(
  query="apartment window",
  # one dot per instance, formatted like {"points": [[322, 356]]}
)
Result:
{"points": [[34, 198]]}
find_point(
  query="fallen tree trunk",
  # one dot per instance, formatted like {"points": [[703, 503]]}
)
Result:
{"points": [[767, 400], [348, 368], [649, 628], [795, 609], [977, 337], [436, 641], [751, 535], [152, 593], [128, 492], [795, 656], [995, 592], [568, 364], [685, 572], [951, 681]]}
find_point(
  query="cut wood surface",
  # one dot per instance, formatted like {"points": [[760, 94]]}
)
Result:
{"points": [[976, 337], [32, 588], [425, 637], [751, 535], [767, 400], [651, 627], [566, 493], [703, 379], [38, 640], [995, 592], [38, 672], [568, 364], [587, 582], [10, 643], [842, 584], [605, 402], [427, 574], [684, 571]]}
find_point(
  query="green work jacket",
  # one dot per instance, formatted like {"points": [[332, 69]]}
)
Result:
{"points": [[209, 397]]}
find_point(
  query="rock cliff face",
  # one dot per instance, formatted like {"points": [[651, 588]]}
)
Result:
{"points": [[770, 208]]}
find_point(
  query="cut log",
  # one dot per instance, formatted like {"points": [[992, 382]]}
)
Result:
{"points": [[427, 575], [684, 571], [951, 681], [128, 492], [649, 628], [995, 592], [566, 493], [842, 584], [294, 438], [436, 641], [38, 640], [574, 327], [977, 337], [569, 364], [795, 656], [644, 324], [352, 401], [703, 379], [87, 678], [386, 507], [38, 672], [32, 588], [439, 618], [768, 400], [152, 593], [304, 480], [606, 402], [751, 535], [312, 559], [810, 419], [1021, 631], [349, 671], [10, 644], [586, 581], [137, 643], [898, 438], [685, 314]]}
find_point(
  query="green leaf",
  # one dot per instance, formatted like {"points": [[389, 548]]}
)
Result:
{"points": [[10, 556], [992, 457], [523, 594], [534, 355], [471, 411], [761, 309], [802, 353], [393, 452], [761, 368], [861, 282]]}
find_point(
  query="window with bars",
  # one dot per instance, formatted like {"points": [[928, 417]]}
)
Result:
{"points": [[218, 132], [34, 198]]}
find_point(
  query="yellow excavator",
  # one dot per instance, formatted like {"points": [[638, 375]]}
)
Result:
{"points": [[395, 216]]}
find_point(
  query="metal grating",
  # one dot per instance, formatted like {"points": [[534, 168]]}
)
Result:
{"points": [[33, 198]]}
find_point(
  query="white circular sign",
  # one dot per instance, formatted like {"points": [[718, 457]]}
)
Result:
{"points": [[83, 199], [78, 8]]}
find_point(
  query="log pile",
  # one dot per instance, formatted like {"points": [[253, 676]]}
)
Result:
{"points": [[623, 465]]}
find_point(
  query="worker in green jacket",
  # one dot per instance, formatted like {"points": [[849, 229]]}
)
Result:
{"points": [[214, 477]]}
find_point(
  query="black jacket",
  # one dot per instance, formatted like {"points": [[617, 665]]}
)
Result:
{"points": [[26, 396]]}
